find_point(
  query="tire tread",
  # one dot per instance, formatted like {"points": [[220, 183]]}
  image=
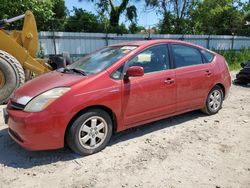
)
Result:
{"points": [[17, 67]]}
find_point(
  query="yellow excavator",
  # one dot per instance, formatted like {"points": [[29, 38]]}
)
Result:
{"points": [[18, 61]]}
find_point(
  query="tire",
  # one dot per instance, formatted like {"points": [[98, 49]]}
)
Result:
{"points": [[87, 130], [214, 101], [11, 74]]}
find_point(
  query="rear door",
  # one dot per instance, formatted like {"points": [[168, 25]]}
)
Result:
{"points": [[153, 94], [194, 78]]}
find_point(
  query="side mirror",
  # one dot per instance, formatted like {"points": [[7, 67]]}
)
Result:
{"points": [[134, 71]]}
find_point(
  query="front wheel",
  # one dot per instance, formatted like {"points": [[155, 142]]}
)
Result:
{"points": [[90, 132], [214, 101]]}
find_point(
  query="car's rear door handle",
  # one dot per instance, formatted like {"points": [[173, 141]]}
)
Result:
{"points": [[208, 73], [169, 81]]}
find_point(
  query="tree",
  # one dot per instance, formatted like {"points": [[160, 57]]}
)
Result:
{"points": [[134, 28], [247, 17], [166, 25], [44, 12], [114, 11], [224, 17], [83, 21], [59, 15], [175, 14], [181, 12]]}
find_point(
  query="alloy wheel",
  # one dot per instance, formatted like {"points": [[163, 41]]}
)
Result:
{"points": [[93, 132], [215, 100]]}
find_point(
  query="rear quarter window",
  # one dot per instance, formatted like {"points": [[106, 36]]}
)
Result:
{"points": [[208, 56]]}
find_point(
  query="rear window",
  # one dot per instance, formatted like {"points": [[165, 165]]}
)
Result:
{"points": [[208, 56]]}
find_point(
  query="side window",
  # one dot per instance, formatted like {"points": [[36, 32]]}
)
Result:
{"points": [[208, 56], [153, 59], [186, 56]]}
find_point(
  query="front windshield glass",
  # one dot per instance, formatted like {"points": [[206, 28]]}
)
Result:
{"points": [[102, 59]]}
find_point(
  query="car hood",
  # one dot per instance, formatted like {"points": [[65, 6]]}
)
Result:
{"points": [[44, 83]]}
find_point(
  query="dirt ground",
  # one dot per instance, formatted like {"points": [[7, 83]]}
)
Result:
{"points": [[189, 150]]}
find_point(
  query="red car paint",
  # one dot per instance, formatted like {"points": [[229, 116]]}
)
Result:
{"points": [[133, 102]]}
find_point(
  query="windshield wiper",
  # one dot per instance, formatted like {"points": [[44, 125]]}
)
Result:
{"points": [[66, 70], [78, 71]]}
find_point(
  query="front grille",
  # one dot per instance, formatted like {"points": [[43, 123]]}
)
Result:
{"points": [[16, 106]]}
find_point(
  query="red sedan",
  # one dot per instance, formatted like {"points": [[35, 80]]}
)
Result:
{"points": [[113, 89]]}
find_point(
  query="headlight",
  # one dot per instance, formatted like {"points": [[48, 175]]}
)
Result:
{"points": [[43, 100]]}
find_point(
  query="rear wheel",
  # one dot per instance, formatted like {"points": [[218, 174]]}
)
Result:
{"points": [[11, 75], [214, 101], [90, 132]]}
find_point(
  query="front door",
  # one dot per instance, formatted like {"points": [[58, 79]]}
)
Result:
{"points": [[154, 94]]}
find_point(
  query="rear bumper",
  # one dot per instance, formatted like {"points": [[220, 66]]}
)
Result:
{"points": [[37, 131]]}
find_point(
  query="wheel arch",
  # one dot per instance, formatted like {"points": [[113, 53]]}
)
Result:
{"points": [[223, 89], [105, 108]]}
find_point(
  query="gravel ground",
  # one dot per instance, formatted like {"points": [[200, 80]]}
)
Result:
{"points": [[189, 150]]}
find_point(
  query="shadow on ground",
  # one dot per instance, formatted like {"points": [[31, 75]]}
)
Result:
{"points": [[12, 155]]}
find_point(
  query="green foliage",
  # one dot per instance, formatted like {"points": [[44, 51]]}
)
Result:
{"points": [[175, 15], [57, 23], [134, 28], [45, 12], [113, 10], [83, 21], [224, 17], [235, 58], [41, 9], [166, 25], [120, 29], [131, 13]]}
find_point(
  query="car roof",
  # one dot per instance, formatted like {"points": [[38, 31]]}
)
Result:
{"points": [[155, 41], [146, 43]]}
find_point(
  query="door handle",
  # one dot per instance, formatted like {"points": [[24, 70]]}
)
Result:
{"points": [[169, 81], [208, 73]]}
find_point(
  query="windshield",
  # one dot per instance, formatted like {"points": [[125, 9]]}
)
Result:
{"points": [[102, 59]]}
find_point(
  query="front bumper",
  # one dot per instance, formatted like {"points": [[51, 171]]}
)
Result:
{"points": [[37, 131]]}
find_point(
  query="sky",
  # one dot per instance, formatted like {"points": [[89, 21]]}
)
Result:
{"points": [[145, 17]]}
